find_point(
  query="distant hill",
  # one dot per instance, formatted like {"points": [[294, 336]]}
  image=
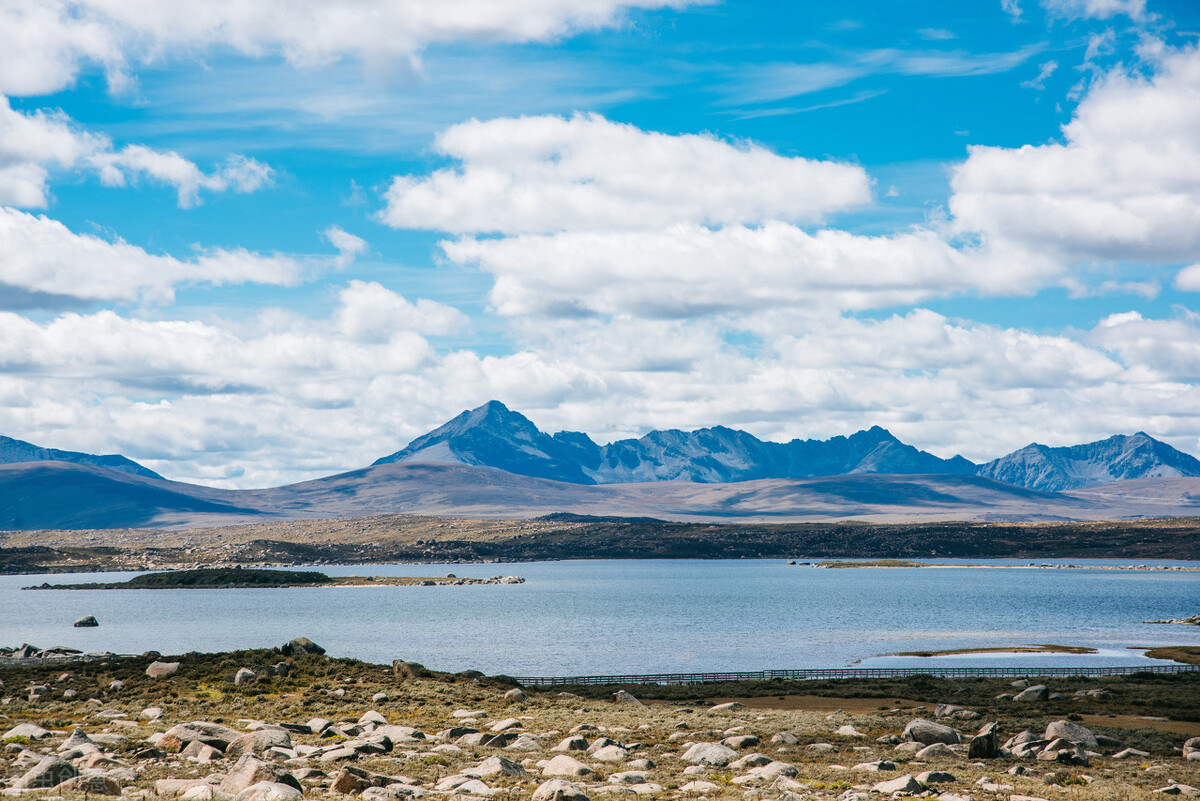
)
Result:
{"points": [[15, 451], [1118, 458], [495, 436]]}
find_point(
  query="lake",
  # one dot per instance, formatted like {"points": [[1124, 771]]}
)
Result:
{"points": [[640, 616]]}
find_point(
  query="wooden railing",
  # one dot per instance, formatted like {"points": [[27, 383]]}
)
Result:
{"points": [[811, 674]]}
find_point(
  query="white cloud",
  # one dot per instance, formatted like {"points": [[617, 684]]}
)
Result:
{"points": [[779, 81], [1012, 8], [690, 270], [34, 143], [1045, 70], [349, 246], [1188, 279], [1125, 184], [285, 397], [45, 44], [545, 174], [1096, 9], [41, 255], [369, 312]]}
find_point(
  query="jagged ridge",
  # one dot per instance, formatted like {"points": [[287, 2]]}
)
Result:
{"points": [[495, 436]]}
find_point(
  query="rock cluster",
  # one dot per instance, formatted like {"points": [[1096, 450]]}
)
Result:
{"points": [[502, 748]]}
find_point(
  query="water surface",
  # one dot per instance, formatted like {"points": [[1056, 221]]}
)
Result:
{"points": [[639, 616]]}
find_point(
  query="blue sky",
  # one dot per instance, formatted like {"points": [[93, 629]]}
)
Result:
{"points": [[247, 248]]}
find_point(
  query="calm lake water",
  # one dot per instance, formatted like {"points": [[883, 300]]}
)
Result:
{"points": [[586, 617]]}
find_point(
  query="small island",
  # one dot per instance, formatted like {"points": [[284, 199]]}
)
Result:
{"points": [[220, 578]]}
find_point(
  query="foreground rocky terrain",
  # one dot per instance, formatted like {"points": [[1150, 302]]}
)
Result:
{"points": [[291, 723]]}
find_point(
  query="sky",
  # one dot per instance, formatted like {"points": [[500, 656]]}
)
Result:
{"points": [[250, 242]]}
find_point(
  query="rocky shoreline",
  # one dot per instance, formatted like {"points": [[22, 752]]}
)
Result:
{"points": [[292, 723], [1194, 620]]}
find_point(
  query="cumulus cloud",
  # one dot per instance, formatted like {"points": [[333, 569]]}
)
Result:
{"points": [[34, 143], [690, 270], [1125, 183], [41, 255], [284, 397], [544, 174], [45, 44]]}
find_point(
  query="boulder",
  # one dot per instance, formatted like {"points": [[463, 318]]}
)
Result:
{"points": [[505, 725], [904, 784], [936, 751], [740, 741], [1190, 747], [785, 738], [243, 677], [731, 706], [78, 738], [300, 646], [575, 742], [258, 741], [984, 745], [935, 777], [515, 695], [610, 753], [925, 731], [199, 752], [160, 670], [214, 734], [86, 622], [496, 766], [269, 791], [48, 772], [1072, 732], [1038, 692], [249, 771], [713, 754], [563, 765], [93, 785], [31, 731], [1130, 753], [559, 790], [622, 697]]}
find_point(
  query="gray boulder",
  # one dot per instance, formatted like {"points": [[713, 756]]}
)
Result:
{"points": [[300, 646], [563, 765], [926, 731], [622, 697], [904, 784], [559, 790], [1072, 732], [1038, 692], [250, 770], [87, 622], [48, 772], [713, 754], [496, 766], [160, 670], [243, 677], [256, 742]]}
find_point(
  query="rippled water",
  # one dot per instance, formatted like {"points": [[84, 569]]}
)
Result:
{"points": [[643, 616]]}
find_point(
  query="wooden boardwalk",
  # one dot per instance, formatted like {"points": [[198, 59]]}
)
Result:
{"points": [[813, 674]]}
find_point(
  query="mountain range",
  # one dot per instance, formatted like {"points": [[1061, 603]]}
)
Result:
{"points": [[495, 436], [492, 462]]}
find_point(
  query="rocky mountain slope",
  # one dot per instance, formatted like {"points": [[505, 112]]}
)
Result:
{"points": [[1117, 458], [495, 436]]}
